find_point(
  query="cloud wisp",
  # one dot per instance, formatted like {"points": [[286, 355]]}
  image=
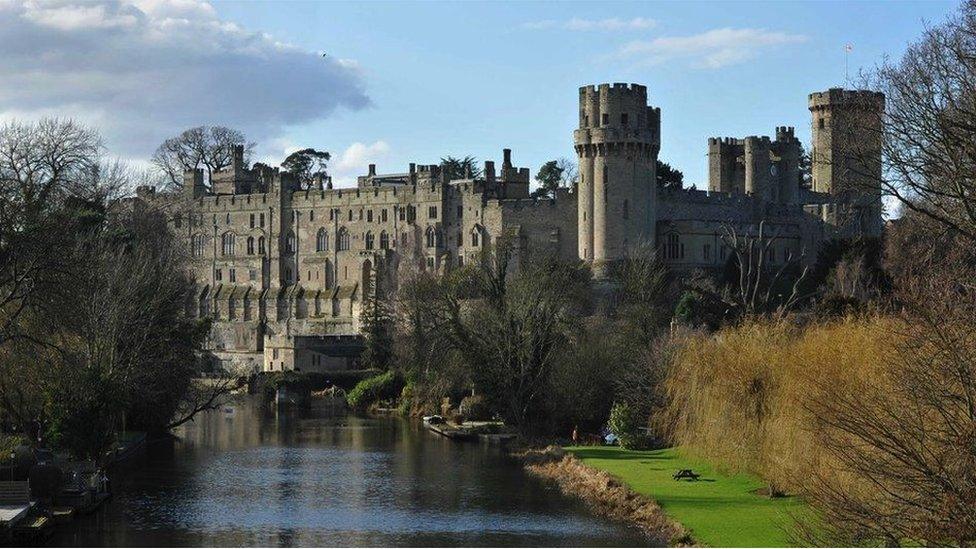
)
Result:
{"points": [[711, 49], [143, 70], [579, 24]]}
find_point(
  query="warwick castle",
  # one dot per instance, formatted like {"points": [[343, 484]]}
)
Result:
{"points": [[282, 270]]}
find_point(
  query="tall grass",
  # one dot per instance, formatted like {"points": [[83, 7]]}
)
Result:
{"points": [[742, 397]]}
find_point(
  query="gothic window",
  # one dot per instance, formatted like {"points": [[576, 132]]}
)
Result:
{"points": [[261, 245], [227, 244], [384, 241], [383, 215], [233, 276], [674, 246], [250, 245], [196, 247], [369, 216], [219, 275], [262, 220], [474, 237], [290, 242], [350, 215], [431, 237], [322, 241], [252, 221], [342, 239], [432, 212], [369, 241]]}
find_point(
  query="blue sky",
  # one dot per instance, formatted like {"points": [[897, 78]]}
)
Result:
{"points": [[412, 82]]}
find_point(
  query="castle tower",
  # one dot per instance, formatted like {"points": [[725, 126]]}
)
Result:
{"points": [[617, 143], [846, 155]]}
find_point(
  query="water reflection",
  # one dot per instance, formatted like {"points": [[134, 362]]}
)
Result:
{"points": [[255, 477]]}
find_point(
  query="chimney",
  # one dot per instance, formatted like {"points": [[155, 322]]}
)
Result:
{"points": [[507, 162], [372, 170]]}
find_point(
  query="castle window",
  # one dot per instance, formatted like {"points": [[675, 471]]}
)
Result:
{"points": [[262, 220], [227, 244], [311, 215], [252, 275], [331, 214], [384, 241], [403, 215], [370, 239], [623, 118], [474, 237], [290, 242], [604, 119], [383, 215], [674, 246], [431, 237], [218, 276], [233, 276], [360, 214], [432, 212], [227, 219], [261, 245], [322, 241], [626, 209], [350, 215], [369, 216], [252, 221], [329, 274], [342, 240], [196, 247], [820, 123], [250, 245]]}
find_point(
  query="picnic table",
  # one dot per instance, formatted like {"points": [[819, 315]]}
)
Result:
{"points": [[686, 473]]}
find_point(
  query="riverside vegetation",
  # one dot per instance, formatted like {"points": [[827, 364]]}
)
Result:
{"points": [[840, 398]]}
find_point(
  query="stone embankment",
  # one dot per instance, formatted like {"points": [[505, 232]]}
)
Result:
{"points": [[605, 495]]}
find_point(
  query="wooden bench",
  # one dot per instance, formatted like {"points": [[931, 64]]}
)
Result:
{"points": [[686, 473]]}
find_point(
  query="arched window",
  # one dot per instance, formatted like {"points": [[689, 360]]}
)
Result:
{"points": [[196, 247], [370, 240], [342, 240], [250, 245], [474, 237], [290, 242], [227, 244], [431, 237], [384, 241], [261, 245], [322, 241]]}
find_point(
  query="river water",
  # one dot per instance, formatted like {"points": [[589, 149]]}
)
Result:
{"points": [[256, 477]]}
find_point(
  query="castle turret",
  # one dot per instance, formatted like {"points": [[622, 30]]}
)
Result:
{"points": [[846, 155], [193, 186], [617, 143]]}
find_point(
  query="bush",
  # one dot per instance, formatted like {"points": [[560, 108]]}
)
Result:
{"points": [[386, 386], [474, 408], [626, 423]]}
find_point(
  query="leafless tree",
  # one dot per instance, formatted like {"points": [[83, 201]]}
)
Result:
{"points": [[758, 286], [928, 131], [209, 147]]}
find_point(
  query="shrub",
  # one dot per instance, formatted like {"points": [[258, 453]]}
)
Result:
{"points": [[474, 408], [626, 423], [386, 386]]}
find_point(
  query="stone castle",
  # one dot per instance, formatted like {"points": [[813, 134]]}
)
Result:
{"points": [[282, 270]]}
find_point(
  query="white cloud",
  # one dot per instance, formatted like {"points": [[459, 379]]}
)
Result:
{"points": [[578, 24], [143, 70], [712, 49], [355, 161]]}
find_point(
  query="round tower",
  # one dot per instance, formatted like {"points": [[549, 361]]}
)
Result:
{"points": [[847, 128], [617, 143]]}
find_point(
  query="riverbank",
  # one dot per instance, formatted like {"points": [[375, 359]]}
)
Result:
{"points": [[605, 495], [717, 510]]}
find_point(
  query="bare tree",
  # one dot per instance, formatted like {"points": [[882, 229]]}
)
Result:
{"points": [[209, 147], [928, 131]]}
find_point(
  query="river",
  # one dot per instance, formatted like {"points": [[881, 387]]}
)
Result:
{"points": [[254, 477]]}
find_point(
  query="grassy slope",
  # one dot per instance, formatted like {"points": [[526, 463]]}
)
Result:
{"points": [[719, 510]]}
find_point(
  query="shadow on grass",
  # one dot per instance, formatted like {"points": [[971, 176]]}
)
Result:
{"points": [[613, 452]]}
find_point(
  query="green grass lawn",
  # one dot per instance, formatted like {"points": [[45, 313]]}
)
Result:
{"points": [[719, 510]]}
